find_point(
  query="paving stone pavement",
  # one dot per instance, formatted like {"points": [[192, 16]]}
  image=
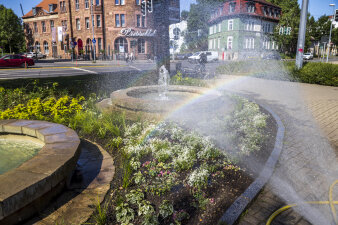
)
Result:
{"points": [[308, 162]]}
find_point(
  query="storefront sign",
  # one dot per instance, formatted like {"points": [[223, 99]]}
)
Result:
{"points": [[121, 49], [128, 32]]}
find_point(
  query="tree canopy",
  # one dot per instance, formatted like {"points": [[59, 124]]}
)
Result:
{"points": [[198, 18], [11, 31]]}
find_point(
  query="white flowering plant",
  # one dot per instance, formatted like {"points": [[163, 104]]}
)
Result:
{"points": [[245, 127]]}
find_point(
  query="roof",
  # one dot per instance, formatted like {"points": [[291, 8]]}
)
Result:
{"points": [[267, 3], [239, 10], [44, 5]]}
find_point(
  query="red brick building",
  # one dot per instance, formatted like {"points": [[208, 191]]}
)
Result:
{"points": [[119, 28]]}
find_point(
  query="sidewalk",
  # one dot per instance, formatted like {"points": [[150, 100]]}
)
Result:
{"points": [[308, 163]]}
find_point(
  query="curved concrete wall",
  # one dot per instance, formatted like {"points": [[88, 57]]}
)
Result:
{"points": [[27, 189]]}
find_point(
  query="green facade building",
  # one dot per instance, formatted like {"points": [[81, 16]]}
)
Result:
{"points": [[243, 29]]}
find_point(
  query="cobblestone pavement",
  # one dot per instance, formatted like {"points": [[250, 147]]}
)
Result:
{"points": [[308, 162]]}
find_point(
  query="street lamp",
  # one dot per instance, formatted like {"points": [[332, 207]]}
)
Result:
{"points": [[333, 19]]}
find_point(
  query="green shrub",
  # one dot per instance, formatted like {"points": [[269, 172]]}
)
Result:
{"points": [[319, 73], [178, 79]]}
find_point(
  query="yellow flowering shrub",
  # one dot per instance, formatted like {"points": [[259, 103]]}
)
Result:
{"points": [[56, 110]]}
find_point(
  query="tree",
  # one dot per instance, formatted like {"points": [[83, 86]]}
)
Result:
{"points": [[184, 15], [290, 18], [198, 18], [11, 31]]}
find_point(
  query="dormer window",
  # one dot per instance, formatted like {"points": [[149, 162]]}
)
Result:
{"points": [[232, 6], [34, 11], [250, 7], [51, 8], [264, 10]]}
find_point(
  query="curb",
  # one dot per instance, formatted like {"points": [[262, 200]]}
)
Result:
{"points": [[240, 204]]}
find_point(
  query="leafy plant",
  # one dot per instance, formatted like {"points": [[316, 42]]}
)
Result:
{"points": [[166, 209], [135, 196], [124, 214], [198, 179]]}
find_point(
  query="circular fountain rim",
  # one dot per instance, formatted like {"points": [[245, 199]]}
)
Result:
{"points": [[47, 170], [122, 99]]}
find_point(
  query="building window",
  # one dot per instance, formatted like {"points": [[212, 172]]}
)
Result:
{"points": [[138, 20], [46, 48], [120, 20], [117, 20], [64, 25], [43, 25], [63, 6], [230, 25], [219, 27], [51, 25], [121, 45], [250, 25], [77, 4], [97, 2], [93, 21], [87, 22], [98, 20], [78, 24], [87, 4], [210, 44], [211, 30], [232, 7], [250, 7], [35, 27], [138, 2], [230, 40], [34, 11], [141, 46], [215, 29], [123, 21], [219, 43], [119, 2], [215, 44], [37, 46], [143, 18], [250, 43], [99, 43], [51, 7]]}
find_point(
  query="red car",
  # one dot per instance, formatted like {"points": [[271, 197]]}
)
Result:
{"points": [[15, 61]]}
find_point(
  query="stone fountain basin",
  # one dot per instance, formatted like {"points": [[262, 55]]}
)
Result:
{"points": [[28, 188], [137, 98]]}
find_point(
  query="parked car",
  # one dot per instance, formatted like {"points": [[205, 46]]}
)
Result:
{"points": [[15, 61], [34, 55], [211, 56], [308, 56], [273, 56]]}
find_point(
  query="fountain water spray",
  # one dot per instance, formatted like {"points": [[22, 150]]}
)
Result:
{"points": [[163, 82]]}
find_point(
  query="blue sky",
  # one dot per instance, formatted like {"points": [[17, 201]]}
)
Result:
{"points": [[316, 7]]}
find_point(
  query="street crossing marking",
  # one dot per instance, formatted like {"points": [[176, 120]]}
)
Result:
{"points": [[88, 71], [135, 68]]}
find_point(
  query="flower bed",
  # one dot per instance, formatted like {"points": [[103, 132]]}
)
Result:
{"points": [[173, 176]]}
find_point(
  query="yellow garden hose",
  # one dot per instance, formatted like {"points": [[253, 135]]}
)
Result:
{"points": [[330, 202]]}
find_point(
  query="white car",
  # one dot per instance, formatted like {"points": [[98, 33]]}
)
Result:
{"points": [[308, 56], [211, 56], [34, 55]]}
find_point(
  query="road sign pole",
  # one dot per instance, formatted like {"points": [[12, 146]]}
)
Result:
{"points": [[91, 12], [301, 35]]}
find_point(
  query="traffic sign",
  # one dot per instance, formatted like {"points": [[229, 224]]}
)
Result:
{"points": [[94, 41]]}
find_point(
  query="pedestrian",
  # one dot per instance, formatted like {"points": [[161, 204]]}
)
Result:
{"points": [[131, 57], [126, 57]]}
